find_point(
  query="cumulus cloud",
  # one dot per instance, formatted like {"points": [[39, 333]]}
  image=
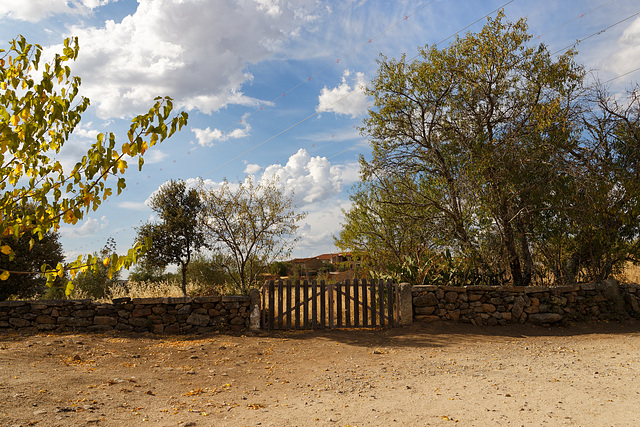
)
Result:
{"points": [[348, 98], [193, 50], [207, 137], [252, 169], [35, 10], [311, 178], [88, 228], [627, 55]]}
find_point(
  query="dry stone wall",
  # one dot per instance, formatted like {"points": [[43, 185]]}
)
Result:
{"points": [[484, 305], [158, 315]]}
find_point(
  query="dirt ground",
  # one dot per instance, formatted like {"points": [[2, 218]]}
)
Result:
{"points": [[436, 374]]}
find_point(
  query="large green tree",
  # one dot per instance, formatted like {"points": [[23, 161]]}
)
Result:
{"points": [[485, 126], [39, 109], [177, 235], [252, 225]]}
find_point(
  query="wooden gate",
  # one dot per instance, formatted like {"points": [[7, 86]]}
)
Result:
{"points": [[319, 305]]}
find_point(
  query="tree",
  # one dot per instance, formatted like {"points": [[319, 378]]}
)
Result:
{"points": [[96, 282], [178, 234], [594, 227], [39, 109], [382, 228], [252, 224], [485, 127], [46, 250]]}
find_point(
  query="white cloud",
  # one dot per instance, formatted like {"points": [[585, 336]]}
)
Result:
{"points": [[628, 55], [87, 229], [311, 178], [347, 99], [35, 10], [207, 137], [193, 50], [252, 169], [85, 130], [133, 206]]}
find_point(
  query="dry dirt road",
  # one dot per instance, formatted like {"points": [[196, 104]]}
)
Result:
{"points": [[437, 374]]}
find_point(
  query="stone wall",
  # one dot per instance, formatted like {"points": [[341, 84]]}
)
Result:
{"points": [[484, 305], [158, 315]]}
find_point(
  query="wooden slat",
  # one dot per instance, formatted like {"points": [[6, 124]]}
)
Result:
{"points": [[396, 322], [297, 303], [272, 311], [314, 304], [356, 303], [323, 305], [389, 303], [347, 303], [381, 301], [305, 291], [280, 302], [338, 295], [372, 303], [365, 303], [288, 306], [330, 304]]}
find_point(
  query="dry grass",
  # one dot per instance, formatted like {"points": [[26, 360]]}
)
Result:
{"points": [[167, 288], [630, 274]]}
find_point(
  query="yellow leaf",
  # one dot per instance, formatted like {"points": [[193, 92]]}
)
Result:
{"points": [[24, 114], [3, 85], [122, 165], [6, 249], [4, 275], [106, 262], [14, 120]]}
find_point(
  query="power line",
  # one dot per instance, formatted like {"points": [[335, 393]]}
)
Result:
{"points": [[597, 33]]}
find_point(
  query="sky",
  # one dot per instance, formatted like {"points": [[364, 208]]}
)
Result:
{"points": [[273, 88]]}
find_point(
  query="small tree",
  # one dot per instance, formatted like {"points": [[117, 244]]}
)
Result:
{"points": [[177, 235], [39, 109], [96, 282], [252, 224]]}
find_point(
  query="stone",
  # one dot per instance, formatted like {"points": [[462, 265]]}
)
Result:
{"points": [[45, 320], [488, 308], [632, 300], [198, 319], [104, 320], [542, 318], [237, 321], [424, 310], [141, 312], [475, 297], [84, 313], [159, 310], [185, 309], [451, 297], [425, 300]]}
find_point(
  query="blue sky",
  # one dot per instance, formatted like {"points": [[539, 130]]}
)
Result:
{"points": [[272, 87]]}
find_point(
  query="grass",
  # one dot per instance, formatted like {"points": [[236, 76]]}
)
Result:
{"points": [[166, 288]]}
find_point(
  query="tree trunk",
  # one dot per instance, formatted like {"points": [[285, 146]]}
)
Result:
{"points": [[183, 268], [509, 243], [527, 259]]}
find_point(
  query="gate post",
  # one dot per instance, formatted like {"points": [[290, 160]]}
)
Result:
{"points": [[406, 304], [254, 309]]}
